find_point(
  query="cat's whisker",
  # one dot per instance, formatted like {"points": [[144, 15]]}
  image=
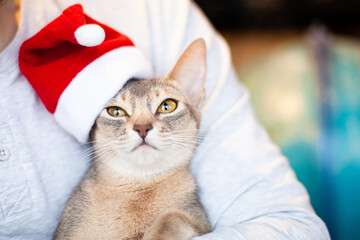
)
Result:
{"points": [[185, 141], [191, 134], [114, 141], [99, 148], [184, 135], [93, 161], [181, 135], [102, 140], [183, 149], [190, 138], [200, 132], [186, 130], [179, 138], [198, 136], [128, 144], [182, 131], [103, 156], [180, 144], [103, 147], [100, 143], [101, 153]]}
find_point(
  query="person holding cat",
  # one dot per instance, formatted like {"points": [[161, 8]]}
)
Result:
{"points": [[246, 187]]}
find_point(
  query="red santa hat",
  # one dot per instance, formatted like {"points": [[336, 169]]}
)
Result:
{"points": [[76, 64]]}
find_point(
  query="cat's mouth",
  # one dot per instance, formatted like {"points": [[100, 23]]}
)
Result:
{"points": [[143, 145]]}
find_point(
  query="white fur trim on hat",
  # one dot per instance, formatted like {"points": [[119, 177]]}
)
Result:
{"points": [[84, 98]]}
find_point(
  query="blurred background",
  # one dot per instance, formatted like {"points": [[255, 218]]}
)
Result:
{"points": [[300, 60]]}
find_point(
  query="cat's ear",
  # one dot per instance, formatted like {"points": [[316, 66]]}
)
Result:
{"points": [[190, 71]]}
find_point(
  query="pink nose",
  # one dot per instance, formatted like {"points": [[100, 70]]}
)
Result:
{"points": [[143, 129]]}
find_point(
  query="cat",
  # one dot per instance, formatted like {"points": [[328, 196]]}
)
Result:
{"points": [[139, 185]]}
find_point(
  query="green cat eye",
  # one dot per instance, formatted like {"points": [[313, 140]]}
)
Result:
{"points": [[167, 106], [116, 111]]}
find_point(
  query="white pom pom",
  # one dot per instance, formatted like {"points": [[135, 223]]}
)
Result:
{"points": [[90, 35]]}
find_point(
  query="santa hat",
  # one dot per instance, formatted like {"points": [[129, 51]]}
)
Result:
{"points": [[76, 64]]}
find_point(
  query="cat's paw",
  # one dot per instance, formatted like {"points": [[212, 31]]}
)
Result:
{"points": [[174, 225], [154, 237]]}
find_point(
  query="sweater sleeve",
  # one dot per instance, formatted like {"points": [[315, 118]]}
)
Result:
{"points": [[246, 186]]}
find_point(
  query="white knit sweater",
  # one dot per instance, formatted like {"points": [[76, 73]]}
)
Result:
{"points": [[246, 185]]}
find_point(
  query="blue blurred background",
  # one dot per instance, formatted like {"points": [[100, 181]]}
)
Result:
{"points": [[300, 60]]}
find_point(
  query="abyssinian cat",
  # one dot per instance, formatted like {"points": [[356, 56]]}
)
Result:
{"points": [[139, 185]]}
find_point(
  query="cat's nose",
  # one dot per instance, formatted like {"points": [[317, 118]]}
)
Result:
{"points": [[143, 129]]}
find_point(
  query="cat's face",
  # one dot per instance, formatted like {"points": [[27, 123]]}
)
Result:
{"points": [[151, 126]]}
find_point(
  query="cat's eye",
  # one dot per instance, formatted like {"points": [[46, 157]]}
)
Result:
{"points": [[116, 111], [167, 106]]}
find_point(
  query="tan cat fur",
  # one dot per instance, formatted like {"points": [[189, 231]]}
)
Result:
{"points": [[140, 192]]}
